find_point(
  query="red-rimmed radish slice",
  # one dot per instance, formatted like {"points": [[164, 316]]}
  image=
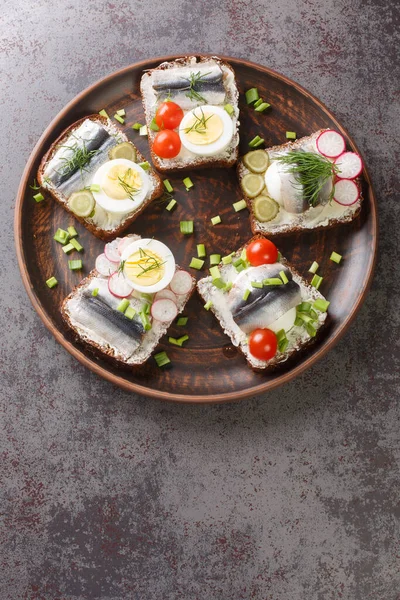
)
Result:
{"points": [[164, 310], [350, 165], [104, 266], [181, 283], [331, 144], [165, 294], [118, 286], [126, 241], [346, 192], [111, 251]]}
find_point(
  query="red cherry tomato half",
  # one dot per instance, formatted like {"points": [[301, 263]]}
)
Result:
{"points": [[169, 115], [263, 344], [261, 252], [167, 144]]}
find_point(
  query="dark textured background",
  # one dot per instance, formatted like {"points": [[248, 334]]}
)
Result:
{"points": [[291, 496]]}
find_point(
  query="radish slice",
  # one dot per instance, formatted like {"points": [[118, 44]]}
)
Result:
{"points": [[331, 144], [166, 294], [104, 266], [346, 192], [118, 286], [164, 310], [350, 165], [181, 283], [125, 241], [111, 251]]}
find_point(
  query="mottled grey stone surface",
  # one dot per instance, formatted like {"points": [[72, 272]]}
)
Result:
{"points": [[291, 496]]}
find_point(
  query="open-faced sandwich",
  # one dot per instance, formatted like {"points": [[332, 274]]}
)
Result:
{"points": [[99, 176], [191, 109], [304, 184], [266, 308], [126, 304]]}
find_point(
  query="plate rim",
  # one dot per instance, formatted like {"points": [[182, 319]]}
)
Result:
{"points": [[129, 386]]}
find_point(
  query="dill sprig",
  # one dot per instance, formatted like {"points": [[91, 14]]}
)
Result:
{"points": [[166, 197], [199, 124], [121, 266], [151, 262], [195, 79], [129, 189], [79, 159], [311, 171], [35, 185]]}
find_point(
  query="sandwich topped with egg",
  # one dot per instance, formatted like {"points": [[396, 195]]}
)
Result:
{"points": [[191, 108], [99, 176]]}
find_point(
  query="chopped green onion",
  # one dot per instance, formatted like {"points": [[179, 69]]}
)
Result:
{"points": [[215, 259], [256, 142], [252, 95], [61, 236], [179, 341], [216, 220], [119, 119], [272, 281], [208, 305], [123, 305], [75, 265], [68, 248], [305, 317], [168, 185], [240, 267], [181, 322], [262, 107], [243, 255], [258, 102], [171, 205], [321, 305], [282, 340], [130, 312], [226, 260], [218, 283], [304, 307], [238, 262], [201, 250], [316, 281], [145, 165], [146, 309], [153, 125], [314, 267], [283, 276], [313, 315], [257, 284], [186, 227], [228, 286], [239, 205], [148, 297], [72, 232], [145, 321], [103, 113], [291, 135], [121, 112], [95, 292], [310, 330], [188, 183], [229, 109], [94, 187], [137, 126], [143, 130], [246, 294], [196, 263], [335, 257], [38, 197], [215, 273], [161, 359], [52, 282], [298, 322]]}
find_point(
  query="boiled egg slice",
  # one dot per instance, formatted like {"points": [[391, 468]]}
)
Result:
{"points": [[148, 265], [123, 185], [206, 130]]}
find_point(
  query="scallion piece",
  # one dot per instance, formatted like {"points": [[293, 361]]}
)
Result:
{"points": [[208, 305], [121, 112], [314, 267], [239, 205], [226, 260], [118, 118], [146, 308], [298, 322], [137, 126], [186, 227], [246, 294], [168, 185], [215, 273], [335, 257], [238, 262], [181, 322], [215, 259], [61, 236], [321, 304], [304, 307], [262, 107], [130, 312], [153, 125], [75, 265], [52, 282], [282, 340], [316, 281], [218, 283], [216, 220], [145, 165], [38, 197], [123, 305], [171, 205], [148, 297], [179, 341], [291, 135], [258, 102], [145, 321], [72, 232], [305, 317], [68, 248], [311, 330], [103, 113], [257, 284], [94, 187], [240, 267], [252, 95], [201, 250], [313, 315], [256, 142], [272, 281], [283, 276], [161, 359], [229, 109], [188, 183], [196, 263], [95, 292], [143, 130], [228, 286]]}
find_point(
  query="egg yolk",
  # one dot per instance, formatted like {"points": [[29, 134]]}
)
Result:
{"points": [[204, 128], [144, 267], [121, 182]]}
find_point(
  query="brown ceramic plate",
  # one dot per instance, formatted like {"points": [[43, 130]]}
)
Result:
{"points": [[209, 369]]}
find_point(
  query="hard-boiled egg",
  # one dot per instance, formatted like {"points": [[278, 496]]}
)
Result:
{"points": [[123, 185], [149, 265], [206, 130]]}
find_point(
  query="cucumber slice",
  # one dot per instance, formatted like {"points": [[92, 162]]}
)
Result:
{"points": [[257, 161], [252, 184], [82, 203], [123, 150], [265, 208]]}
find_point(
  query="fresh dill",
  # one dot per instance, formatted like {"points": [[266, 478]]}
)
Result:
{"points": [[121, 266], [129, 189], [195, 79], [35, 186], [312, 171], [166, 197], [47, 180], [151, 262], [199, 124], [78, 160]]}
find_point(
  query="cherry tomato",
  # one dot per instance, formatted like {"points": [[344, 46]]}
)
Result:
{"points": [[261, 252], [167, 143], [169, 115], [263, 344]]}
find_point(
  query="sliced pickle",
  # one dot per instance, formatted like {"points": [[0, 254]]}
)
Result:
{"points": [[252, 184], [82, 203], [257, 161], [123, 150], [265, 208]]}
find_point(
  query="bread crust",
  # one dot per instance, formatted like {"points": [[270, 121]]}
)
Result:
{"points": [[103, 234]]}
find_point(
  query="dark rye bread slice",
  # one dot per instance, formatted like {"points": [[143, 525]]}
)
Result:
{"points": [[268, 228], [103, 234], [195, 162], [205, 286], [106, 352]]}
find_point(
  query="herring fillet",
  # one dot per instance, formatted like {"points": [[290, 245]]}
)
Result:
{"points": [[175, 83]]}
